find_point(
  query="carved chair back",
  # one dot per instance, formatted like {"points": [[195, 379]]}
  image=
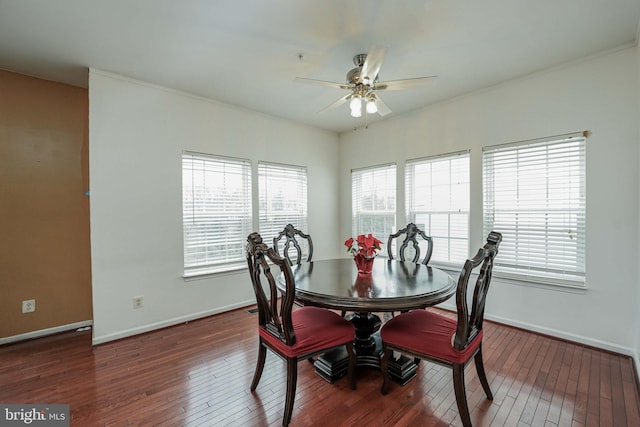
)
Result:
{"points": [[274, 313], [291, 243], [411, 233], [469, 325]]}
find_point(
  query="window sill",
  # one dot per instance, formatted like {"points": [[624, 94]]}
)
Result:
{"points": [[523, 280], [208, 274], [540, 282]]}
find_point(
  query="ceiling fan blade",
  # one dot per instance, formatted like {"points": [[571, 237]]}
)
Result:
{"points": [[338, 103], [383, 110], [404, 83], [372, 64], [322, 83]]}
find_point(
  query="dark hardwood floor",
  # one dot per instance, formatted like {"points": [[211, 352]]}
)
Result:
{"points": [[199, 373]]}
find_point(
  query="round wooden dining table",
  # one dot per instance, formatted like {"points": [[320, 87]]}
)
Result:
{"points": [[392, 286]]}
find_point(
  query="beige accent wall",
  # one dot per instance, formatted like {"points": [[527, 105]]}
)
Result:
{"points": [[44, 212]]}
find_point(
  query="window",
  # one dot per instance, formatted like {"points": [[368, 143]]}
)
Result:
{"points": [[437, 201], [283, 198], [373, 206], [534, 194], [216, 209]]}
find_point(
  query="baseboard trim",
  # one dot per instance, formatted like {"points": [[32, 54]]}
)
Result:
{"points": [[555, 333], [578, 339], [166, 323], [44, 332]]}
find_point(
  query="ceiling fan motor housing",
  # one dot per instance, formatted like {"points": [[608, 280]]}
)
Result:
{"points": [[353, 76], [359, 59]]}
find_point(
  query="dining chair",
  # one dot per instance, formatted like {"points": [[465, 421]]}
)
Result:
{"points": [[293, 335], [289, 234], [428, 335], [411, 233]]}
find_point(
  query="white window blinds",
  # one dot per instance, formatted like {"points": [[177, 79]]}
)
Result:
{"points": [[282, 199], [534, 194], [216, 206], [437, 201], [373, 195]]}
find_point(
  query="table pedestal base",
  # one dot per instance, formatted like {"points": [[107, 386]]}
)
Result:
{"points": [[368, 348]]}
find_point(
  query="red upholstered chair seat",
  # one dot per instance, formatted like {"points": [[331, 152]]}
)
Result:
{"points": [[429, 333], [316, 329]]}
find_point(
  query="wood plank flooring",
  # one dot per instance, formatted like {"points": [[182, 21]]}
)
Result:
{"points": [[199, 373]]}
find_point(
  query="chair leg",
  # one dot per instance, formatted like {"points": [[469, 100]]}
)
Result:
{"points": [[351, 372], [384, 368], [482, 375], [292, 378], [461, 394], [262, 355]]}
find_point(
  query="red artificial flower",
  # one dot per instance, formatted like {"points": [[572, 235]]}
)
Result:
{"points": [[366, 245], [349, 242]]}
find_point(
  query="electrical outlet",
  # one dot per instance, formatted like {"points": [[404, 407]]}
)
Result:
{"points": [[28, 306], [138, 301]]}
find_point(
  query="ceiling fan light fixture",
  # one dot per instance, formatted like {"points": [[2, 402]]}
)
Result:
{"points": [[356, 106], [372, 105], [356, 102]]}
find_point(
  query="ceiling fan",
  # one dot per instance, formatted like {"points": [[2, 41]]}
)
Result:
{"points": [[363, 84]]}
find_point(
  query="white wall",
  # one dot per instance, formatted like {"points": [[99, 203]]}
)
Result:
{"points": [[599, 94], [137, 134]]}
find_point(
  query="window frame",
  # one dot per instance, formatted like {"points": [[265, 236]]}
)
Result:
{"points": [[571, 150], [300, 221], [216, 264], [454, 209], [356, 214]]}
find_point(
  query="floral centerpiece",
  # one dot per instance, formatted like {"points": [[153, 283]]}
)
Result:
{"points": [[364, 249]]}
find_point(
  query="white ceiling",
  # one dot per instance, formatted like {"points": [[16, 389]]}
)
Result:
{"points": [[246, 52]]}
